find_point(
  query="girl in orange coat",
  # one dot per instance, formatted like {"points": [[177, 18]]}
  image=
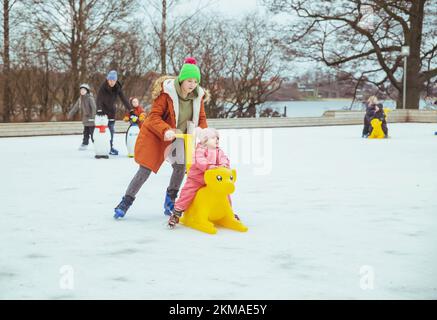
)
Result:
{"points": [[175, 102]]}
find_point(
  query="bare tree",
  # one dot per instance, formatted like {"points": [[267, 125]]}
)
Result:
{"points": [[167, 29], [134, 59], [207, 40], [236, 59], [80, 33], [365, 38], [62, 43], [7, 6], [11, 21], [254, 72], [13, 18]]}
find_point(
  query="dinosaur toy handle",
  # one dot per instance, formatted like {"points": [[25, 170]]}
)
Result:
{"points": [[189, 148]]}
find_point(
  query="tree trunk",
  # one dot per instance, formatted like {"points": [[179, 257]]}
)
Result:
{"points": [[251, 111], [414, 88], [47, 108], [82, 39], [163, 44], [7, 107], [74, 59], [414, 39]]}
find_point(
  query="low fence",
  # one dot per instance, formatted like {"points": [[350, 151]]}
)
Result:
{"points": [[329, 118]]}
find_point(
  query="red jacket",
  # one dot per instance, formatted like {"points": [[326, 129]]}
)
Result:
{"points": [[140, 113]]}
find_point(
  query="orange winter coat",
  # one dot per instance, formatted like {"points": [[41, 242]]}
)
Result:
{"points": [[150, 148]]}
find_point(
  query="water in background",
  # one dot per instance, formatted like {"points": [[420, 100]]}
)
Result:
{"points": [[317, 108]]}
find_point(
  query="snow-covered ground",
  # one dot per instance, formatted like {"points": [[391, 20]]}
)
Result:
{"points": [[330, 215]]}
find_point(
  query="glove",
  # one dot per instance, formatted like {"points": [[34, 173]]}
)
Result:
{"points": [[169, 135], [142, 117], [100, 113], [133, 118]]}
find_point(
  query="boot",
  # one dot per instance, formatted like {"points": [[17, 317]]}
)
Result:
{"points": [[123, 206], [174, 219], [170, 197]]}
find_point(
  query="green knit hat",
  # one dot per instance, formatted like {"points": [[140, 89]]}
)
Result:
{"points": [[189, 70]]}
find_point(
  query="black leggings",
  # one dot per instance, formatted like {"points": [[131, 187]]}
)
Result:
{"points": [[87, 133]]}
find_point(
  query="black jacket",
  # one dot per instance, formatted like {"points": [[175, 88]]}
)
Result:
{"points": [[106, 99], [371, 112]]}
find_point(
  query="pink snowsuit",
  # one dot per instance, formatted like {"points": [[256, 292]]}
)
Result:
{"points": [[204, 159]]}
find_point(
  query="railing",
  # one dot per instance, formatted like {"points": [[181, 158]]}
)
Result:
{"points": [[330, 118]]}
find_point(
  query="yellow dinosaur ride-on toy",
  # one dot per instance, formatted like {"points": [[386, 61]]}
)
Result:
{"points": [[211, 206], [377, 132]]}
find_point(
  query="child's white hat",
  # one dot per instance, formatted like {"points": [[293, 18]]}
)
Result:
{"points": [[204, 134]]}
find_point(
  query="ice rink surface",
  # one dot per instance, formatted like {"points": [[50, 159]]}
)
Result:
{"points": [[330, 216]]}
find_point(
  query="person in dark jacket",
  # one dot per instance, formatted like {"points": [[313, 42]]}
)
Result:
{"points": [[374, 109], [86, 104], [108, 93], [380, 114]]}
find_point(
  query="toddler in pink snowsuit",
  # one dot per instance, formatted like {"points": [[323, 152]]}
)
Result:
{"points": [[208, 155]]}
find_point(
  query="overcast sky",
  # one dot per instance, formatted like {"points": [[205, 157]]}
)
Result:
{"points": [[231, 8], [236, 7]]}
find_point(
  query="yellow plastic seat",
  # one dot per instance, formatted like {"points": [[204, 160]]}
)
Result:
{"points": [[377, 132], [211, 207]]}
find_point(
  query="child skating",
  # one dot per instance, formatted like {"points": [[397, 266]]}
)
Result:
{"points": [[138, 115], [87, 105], [207, 155], [374, 109]]}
